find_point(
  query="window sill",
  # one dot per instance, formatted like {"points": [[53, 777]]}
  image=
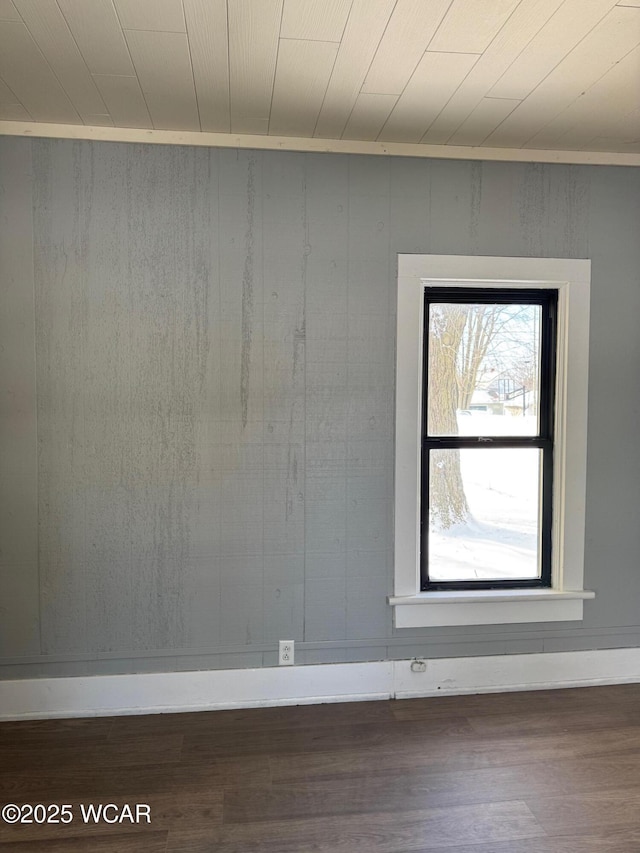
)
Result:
{"points": [[488, 607]]}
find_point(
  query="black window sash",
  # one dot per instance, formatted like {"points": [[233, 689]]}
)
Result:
{"points": [[548, 300]]}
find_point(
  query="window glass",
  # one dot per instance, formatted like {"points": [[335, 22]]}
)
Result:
{"points": [[484, 369], [497, 493]]}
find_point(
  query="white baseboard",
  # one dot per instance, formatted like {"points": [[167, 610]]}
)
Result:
{"points": [[157, 693]]}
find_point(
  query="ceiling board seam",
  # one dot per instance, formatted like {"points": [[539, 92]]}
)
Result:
{"points": [[346, 21], [275, 68], [213, 97], [575, 100], [80, 54], [460, 52], [149, 30], [228, 65], [316, 41], [395, 83], [594, 138], [13, 20], [346, 124], [126, 44], [193, 76], [411, 78], [565, 57], [441, 24], [487, 135], [373, 58], [512, 13], [462, 82], [20, 104], [17, 99], [333, 67], [561, 60], [75, 41], [326, 89], [22, 23], [543, 24], [118, 76]]}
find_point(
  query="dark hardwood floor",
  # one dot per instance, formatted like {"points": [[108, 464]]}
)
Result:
{"points": [[544, 772]]}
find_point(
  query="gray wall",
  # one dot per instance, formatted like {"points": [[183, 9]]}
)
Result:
{"points": [[196, 392]]}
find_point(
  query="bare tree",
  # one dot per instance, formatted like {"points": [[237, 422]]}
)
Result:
{"points": [[477, 336], [448, 503], [462, 339]]}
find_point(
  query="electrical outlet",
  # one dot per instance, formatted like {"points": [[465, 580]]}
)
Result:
{"points": [[285, 653], [418, 665]]}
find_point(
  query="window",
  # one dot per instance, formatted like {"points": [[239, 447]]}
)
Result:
{"points": [[491, 394], [487, 443]]}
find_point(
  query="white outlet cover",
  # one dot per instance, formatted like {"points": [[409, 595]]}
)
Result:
{"points": [[286, 652]]}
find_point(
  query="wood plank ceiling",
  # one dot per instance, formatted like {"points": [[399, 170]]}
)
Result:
{"points": [[532, 74]]}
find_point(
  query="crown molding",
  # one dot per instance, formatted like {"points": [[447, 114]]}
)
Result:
{"points": [[315, 145]]}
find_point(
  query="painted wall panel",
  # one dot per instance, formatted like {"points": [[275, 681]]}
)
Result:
{"points": [[63, 177], [613, 465], [19, 579], [211, 336]]}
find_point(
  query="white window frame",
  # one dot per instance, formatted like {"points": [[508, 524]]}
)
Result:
{"points": [[564, 600]]}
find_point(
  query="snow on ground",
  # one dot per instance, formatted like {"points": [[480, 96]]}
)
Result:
{"points": [[500, 540]]}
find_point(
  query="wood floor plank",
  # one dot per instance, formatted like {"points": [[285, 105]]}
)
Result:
{"points": [[320, 739], [405, 791], [534, 701], [75, 782], [582, 719], [462, 754], [239, 720], [147, 842], [588, 814], [622, 842], [23, 731], [380, 833], [166, 811], [104, 753]]}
